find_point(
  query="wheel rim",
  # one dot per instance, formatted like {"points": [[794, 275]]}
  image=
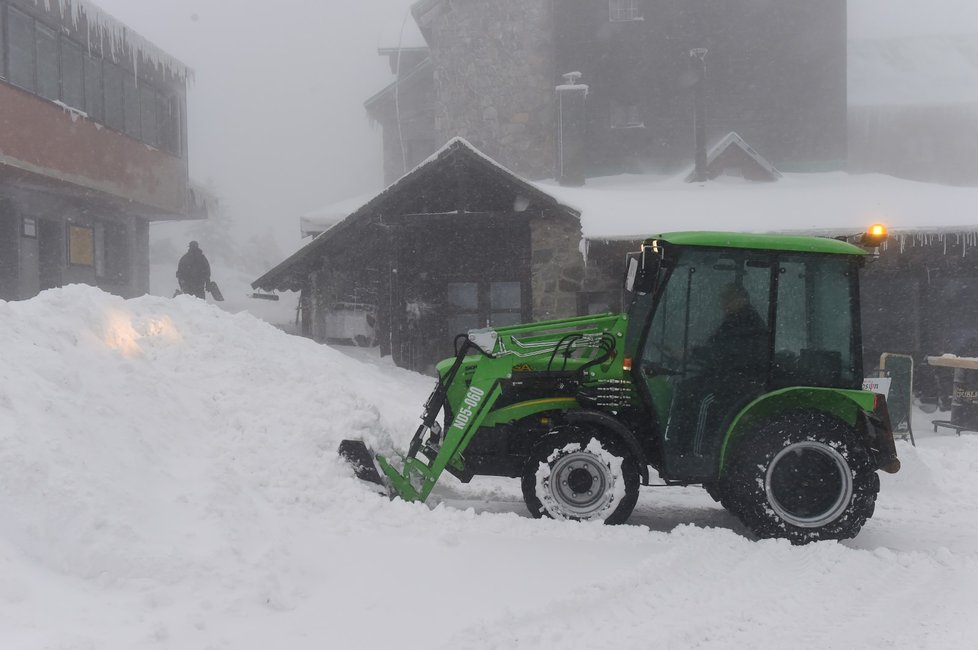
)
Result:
{"points": [[809, 484], [580, 485]]}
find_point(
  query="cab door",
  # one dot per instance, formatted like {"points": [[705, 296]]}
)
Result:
{"points": [[707, 352]]}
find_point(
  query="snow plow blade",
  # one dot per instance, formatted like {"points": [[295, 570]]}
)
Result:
{"points": [[361, 459]]}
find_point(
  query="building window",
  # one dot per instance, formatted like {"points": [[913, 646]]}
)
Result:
{"points": [[626, 115], [34, 57], [81, 246], [3, 44], [620, 11], [48, 85], [130, 104], [148, 122], [29, 227], [112, 83], [598, 302], [112, 252], [505, 303], [72, 75], [169, 116], [94, 97], [20, 30]]}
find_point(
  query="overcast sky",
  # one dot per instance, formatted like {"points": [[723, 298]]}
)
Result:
{"points": [[276, 111]]}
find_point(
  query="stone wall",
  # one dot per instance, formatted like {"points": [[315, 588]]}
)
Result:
{"points": [[494, 79], [557, 266]]}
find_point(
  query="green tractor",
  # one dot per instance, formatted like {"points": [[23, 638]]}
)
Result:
{"points": [[737, 367]]}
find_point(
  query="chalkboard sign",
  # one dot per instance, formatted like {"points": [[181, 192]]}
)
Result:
{"points": [[899, 368]]}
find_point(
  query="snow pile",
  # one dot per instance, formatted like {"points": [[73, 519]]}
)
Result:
{"points": [[168, 479]]}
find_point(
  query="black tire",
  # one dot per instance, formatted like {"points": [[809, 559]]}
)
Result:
{"points": [[804, 476], [713, 489], [598, 477]]}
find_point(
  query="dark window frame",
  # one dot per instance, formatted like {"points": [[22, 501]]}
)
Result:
{"points": [[95, 111], [625, 11], [32, 88], [65, 45], [40, 77], [28, 227], [3, 41], [166, 104]]}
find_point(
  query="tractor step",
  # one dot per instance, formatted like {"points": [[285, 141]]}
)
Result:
{"points": [[361, 459]]}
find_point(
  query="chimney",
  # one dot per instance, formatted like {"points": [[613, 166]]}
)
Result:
{"points": [[698, 58], [570, 154]]}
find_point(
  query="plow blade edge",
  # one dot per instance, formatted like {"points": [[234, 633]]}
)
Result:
{"points": [[361, 459]]}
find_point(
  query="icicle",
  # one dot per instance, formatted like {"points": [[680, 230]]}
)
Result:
{"points": [[119, 36]]}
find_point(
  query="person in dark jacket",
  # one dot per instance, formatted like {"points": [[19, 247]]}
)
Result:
{"points": [[193, 271], [728, 369], [738, 345]]}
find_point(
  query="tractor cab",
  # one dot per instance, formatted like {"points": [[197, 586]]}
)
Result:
{"points": [[720, 320]]}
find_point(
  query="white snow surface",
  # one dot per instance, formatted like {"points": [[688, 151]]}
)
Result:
{"points": [[168, 479], [636, 206]]}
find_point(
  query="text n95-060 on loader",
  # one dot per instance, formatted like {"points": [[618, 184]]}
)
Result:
{"points": [[737, 366]]}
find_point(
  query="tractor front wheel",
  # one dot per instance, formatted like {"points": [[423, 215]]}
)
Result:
{"points": [[805, 477], [573, 474]]}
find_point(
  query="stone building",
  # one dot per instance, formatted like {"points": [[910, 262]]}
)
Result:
{"points": [[486, 71], [93, 148]]}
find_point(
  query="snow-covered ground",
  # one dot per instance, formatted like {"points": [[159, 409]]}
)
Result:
{"points": [[168, 479]]}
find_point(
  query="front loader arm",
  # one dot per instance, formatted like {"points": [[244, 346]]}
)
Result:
{"points": [[468, 391], [429, 454]]}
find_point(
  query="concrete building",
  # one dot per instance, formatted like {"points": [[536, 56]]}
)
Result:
{"points": [[93, 148]]}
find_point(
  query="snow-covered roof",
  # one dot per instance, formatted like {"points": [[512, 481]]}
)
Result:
{"points": [[455, 150], [763, 168], [635, 206], [324, 218], [114, 37], [914, 70]]}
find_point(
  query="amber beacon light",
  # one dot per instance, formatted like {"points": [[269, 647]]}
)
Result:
{"points": [[874, 235]]}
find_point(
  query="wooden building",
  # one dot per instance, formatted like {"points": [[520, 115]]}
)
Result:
{"points": [[457, 243], [93, 148]]}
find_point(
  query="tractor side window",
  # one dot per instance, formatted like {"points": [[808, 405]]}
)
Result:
{"points": [[713, 312], [814, 329]]}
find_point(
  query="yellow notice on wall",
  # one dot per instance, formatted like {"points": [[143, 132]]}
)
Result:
{"points": [[81, 246]]}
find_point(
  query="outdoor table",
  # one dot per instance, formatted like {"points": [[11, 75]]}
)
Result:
{"points": [[964, 396]]}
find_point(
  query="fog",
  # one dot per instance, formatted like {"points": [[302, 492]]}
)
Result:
{"points": [[276, 119]]}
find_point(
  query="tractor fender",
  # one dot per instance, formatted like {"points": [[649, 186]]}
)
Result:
{"points": [[846, 405], [613, 426]]}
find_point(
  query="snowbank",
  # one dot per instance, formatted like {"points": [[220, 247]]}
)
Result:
{"points": [[168, 479]]}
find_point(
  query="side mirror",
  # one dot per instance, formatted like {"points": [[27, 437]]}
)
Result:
{"points": [[641, 271], [631, 273]]}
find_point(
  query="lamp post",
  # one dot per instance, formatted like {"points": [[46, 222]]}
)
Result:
{"points": [[698, 56]]}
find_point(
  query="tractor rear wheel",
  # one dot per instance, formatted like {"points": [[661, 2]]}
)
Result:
{"points": [[580, 475], [804, 477]]}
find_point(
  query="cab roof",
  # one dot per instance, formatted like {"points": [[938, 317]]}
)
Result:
{"points": [[793, 243]]}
